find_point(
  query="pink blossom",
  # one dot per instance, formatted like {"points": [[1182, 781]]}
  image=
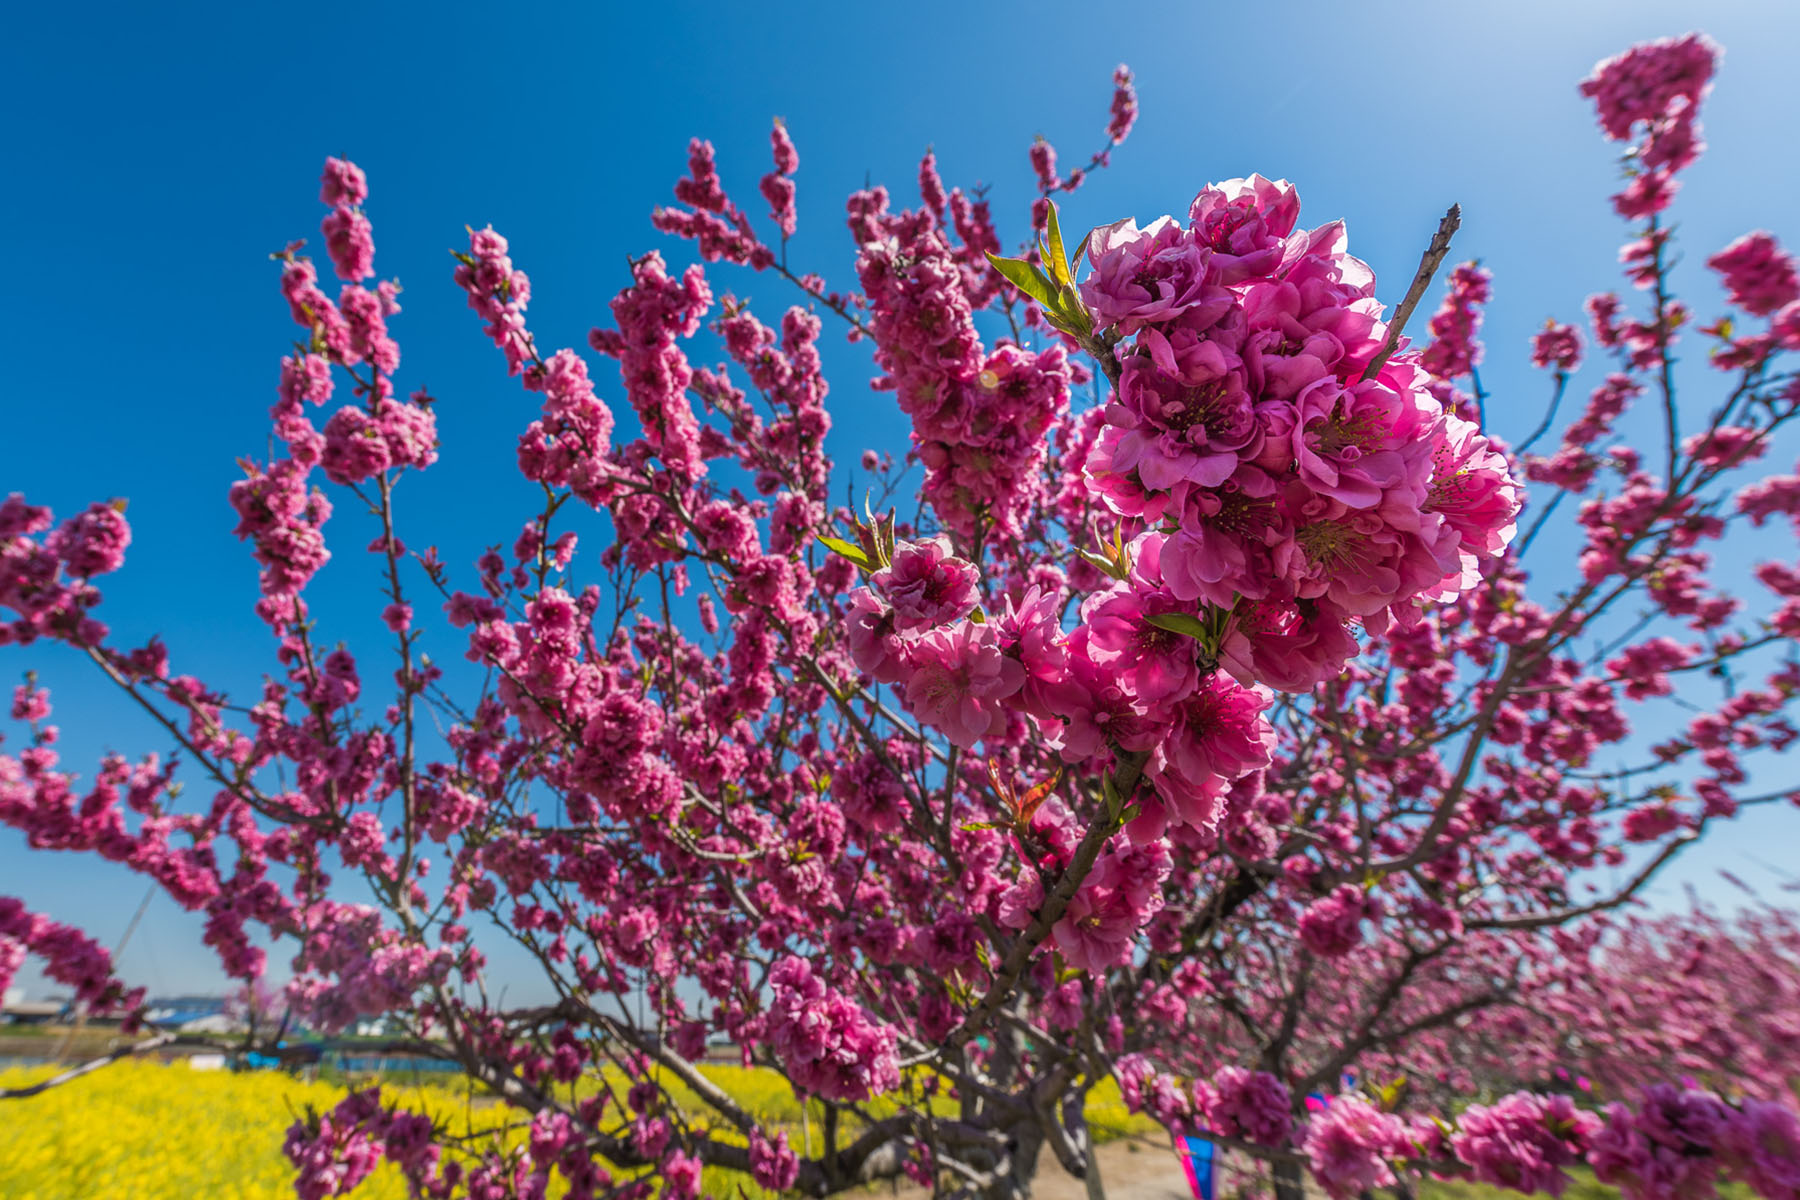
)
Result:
{"points": [[1650, 81], [778, 186], [1289, 646], [1455, 350], [1124, 106], [772, 1163], [1664, 1150], [1218, 734], [1146, 275], [343, 182], [1156, 665], [827, 1043], [927, 585], [1650, 822], [1757, 273], [1356, 445], [350, 239], [1095, 709], [1243, 221], [1523, 1142], [1252, 1105], [1331, 927], [93, 543], [1184, 426], [1093, 937], [1348, 1144], [1760, 1145], [1473, 490], [1558, 346], [957, 679]]}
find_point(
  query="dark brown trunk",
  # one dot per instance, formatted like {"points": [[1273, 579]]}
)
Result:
{"points": [[1290, 1181]]}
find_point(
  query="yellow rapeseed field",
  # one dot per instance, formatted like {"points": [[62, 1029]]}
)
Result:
{"points": [[144, 1131]]}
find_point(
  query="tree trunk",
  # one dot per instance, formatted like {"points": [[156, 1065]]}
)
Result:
{"points": [[1013, 1180], [1290, 1181], [1010, 1177], [1092, 1177]]}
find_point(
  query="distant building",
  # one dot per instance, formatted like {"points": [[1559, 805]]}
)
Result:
{"points": [[16, 1010], [174, 1012]]}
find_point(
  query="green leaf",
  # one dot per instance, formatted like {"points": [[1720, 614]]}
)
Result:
{"points": [[1106, 566], [1080, 253], [1027, 278], [1066, 311], [1185, 623], [977, 616], [1056, 257], [849, 550], [975, 826]]}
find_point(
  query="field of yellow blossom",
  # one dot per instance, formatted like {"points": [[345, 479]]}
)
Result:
{"points": [[152, 1132]]}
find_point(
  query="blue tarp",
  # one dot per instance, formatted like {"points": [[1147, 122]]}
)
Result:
{"points": [[1197, 1159]]}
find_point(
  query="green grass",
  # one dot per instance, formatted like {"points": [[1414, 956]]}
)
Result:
{"points": [[1584, 1187]]}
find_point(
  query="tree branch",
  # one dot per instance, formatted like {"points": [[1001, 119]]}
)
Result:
{"points": [[1429, 262]]}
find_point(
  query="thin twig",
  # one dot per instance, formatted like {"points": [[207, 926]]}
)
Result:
{"points": [[86, 1068], [1562, 383], [1429, 262]]}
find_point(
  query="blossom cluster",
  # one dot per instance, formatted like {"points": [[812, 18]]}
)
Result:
{"points": [[1285, 478], [1523, 1141], [499, 293], [46, 570], [1455, 349], [1652, 92], [1251, 1105], [1677, 1140], [1673, 1142], [826, 1041], [1761, 279], [334, 1152], [979, 419], [1270, 492], [1124, 106], [68, 955]]}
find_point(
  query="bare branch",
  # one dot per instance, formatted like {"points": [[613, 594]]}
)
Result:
{"points": [[1429, 262]]}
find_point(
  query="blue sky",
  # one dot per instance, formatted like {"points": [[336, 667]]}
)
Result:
{"points": [[161, 155]]}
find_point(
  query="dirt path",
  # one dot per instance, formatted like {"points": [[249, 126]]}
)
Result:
{"points": [[1130, 1170]]}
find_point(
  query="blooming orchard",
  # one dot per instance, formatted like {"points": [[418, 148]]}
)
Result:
{"points": [[1205, 738]]}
